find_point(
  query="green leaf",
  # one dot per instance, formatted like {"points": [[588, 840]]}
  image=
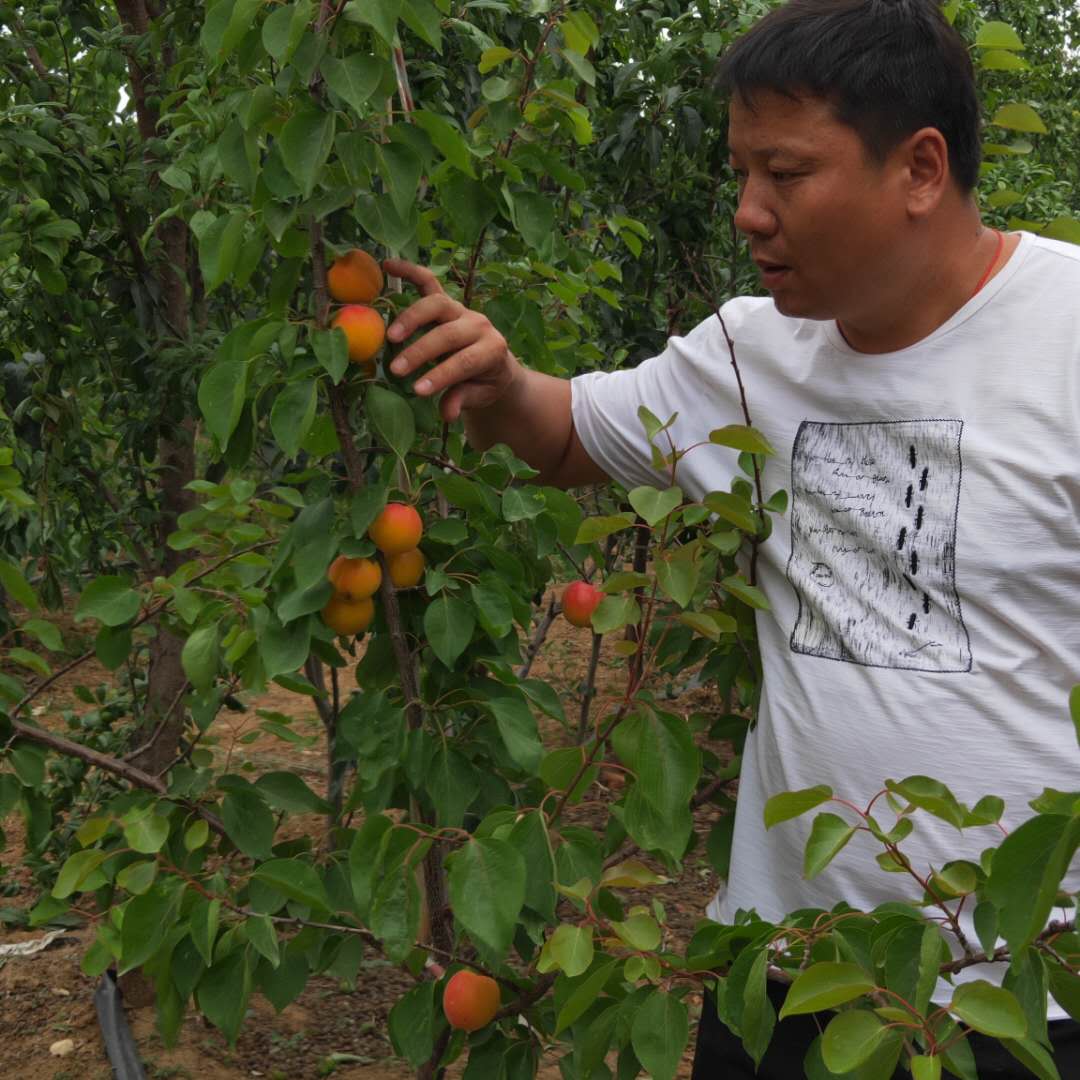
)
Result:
{"points": [[824, 986], [828, 835], [596, 528], [677, 575], [331, 349], [733, 509], [929, 795], [569, 949], [998, 35], [1026, 874], [12, 580], [491, 58], [641, 932], [353, 78], [305, 142], [653, 505], [517, 728], [447, 139], [424, 20], [295, 879], [791, 804], [747, 593], [293, 414], [145, 830], [1002, 60], [200, 657], [286, 791], [741, 437], [1018, 117], [1063, 228], [582, 997], [989, 1009], [248, 822], [758, 1017], [535, 218], [221, 397], [219, 246], [925, 1068], [1034, 1057], [147, 918], [400, 168], [850, 1038], [412, 1023], [659, 1033], [487, 891], [45, 632], [448, 626], [76, 869], [223, 994], [392, 418], [380, 15], [110, 599], [492, 607]]}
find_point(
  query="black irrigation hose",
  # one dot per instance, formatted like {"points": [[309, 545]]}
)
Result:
{"points": [[115, 1031]]}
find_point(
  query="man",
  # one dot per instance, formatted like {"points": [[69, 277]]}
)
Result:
{"points": [[920, 377]]}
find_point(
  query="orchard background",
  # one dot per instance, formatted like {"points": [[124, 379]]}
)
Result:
{"points": [[286, 841]]}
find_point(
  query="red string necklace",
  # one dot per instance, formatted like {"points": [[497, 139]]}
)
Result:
{"points": [[993, 262]]}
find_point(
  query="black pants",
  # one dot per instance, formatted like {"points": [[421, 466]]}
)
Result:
{"points": [[720, 1054]]}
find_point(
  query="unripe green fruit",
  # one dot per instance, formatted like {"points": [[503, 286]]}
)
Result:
{"points": [[47, 29], [50, 11], [157, 147]]}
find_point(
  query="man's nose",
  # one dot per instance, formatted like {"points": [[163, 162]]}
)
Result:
{"points": [[753, 216]]}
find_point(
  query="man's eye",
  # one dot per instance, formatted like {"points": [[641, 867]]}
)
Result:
{"points": [[782, 177]]}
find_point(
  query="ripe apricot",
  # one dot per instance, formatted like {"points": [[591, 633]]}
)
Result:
{"points": [[406, 569], [348, 617], [354, 579], [397, 529], [355, 278], [579, 601], [364, 329], [470, 1000]]}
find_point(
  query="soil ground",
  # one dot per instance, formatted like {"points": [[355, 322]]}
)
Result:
{"points": [[329, 1030]]}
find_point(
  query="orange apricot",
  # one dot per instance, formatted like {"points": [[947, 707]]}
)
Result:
{"points": [[470, 1000], [348, 617], [364, 330], [407, 568], [355, 278], [397, 529], [354, 579]]}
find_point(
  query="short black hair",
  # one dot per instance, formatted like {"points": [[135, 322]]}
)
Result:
{"points": [[887, 67]]}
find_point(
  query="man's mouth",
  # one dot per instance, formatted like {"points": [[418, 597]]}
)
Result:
{"points": [[771, 272]]}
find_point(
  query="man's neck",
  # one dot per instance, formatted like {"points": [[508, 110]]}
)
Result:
{"points": [[938, 285]]}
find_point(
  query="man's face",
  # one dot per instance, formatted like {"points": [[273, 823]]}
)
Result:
{"points": [[822, 219]]}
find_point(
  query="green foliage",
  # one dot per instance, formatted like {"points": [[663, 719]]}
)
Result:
{"points": [[190, 436]]}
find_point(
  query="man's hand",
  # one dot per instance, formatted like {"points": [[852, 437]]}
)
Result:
{"points": [[473, 363]]}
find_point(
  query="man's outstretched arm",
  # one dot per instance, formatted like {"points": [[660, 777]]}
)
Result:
{"points": [[481, 381]]}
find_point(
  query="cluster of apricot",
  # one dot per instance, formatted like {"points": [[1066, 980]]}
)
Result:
{"points": [[396, 533], [355, 280]]}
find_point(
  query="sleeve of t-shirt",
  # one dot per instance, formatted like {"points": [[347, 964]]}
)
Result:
{"points": [[685, 379]]}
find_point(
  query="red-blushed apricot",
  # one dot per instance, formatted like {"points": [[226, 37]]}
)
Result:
{"points": [[354, 579], [348, 617], [355, 278], [397, 529], [407, 568], [364, 330], [579, 601], [470, 1000]]}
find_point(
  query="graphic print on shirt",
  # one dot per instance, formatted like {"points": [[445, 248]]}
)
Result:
{"points": [[873, 544]]}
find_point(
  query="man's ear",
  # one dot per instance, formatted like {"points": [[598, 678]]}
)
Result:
{"points": [[925, 156]]}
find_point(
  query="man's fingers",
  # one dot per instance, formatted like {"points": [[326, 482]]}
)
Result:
{"points": [[435, 307], [471, 363], [465, 396], [420, 276], [442, 341]]}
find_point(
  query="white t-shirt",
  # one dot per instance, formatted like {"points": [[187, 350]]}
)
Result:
{"points": [[925, 582]]}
